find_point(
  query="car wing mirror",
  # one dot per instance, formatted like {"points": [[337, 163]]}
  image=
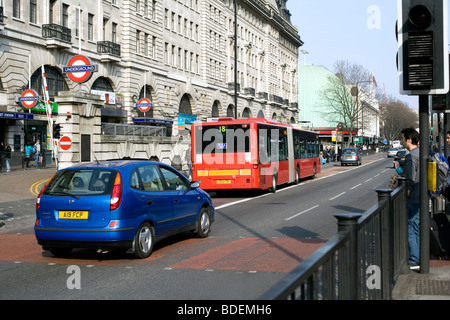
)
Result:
{"points": [[194, 184]]}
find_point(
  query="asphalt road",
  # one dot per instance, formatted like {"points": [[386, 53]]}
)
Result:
{"points": [[253, 244]]}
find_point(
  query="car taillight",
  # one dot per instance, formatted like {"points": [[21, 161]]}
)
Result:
{"points": [[38, 200], [116, 195]]}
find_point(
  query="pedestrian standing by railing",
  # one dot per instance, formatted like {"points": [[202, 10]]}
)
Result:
{"points": [[410, 140]]}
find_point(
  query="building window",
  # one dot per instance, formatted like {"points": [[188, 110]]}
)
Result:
{"points": [[138, 42], [153, 48], [114, 32], [33, 14], [65, 15], [91, 27], [16, 9], [105, 22], [55, 82]]}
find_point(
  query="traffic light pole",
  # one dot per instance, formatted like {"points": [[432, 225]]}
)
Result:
{"points": [[424, 128]]}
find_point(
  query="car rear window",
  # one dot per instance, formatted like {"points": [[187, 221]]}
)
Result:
{"points": [[81, 182], [349, 151]]}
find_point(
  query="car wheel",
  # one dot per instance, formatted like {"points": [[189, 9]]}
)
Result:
{"points": [[143, 241], [203, 223]]}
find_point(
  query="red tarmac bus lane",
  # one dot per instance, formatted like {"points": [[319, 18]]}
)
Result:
{"points": [[243, 254]]}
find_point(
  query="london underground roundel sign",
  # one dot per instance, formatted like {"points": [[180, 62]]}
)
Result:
{"points": [[144, 105], [80, 69], [29, 99]]}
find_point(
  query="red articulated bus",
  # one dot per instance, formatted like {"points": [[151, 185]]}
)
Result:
{"points": [[252, 154]]}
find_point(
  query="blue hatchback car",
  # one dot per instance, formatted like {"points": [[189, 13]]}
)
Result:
{"points": [[124, 204]]}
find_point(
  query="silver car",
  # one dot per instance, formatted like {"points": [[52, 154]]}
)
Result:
{"points": [[350, 156]]}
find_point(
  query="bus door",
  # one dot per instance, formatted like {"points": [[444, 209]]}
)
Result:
{"points": [[291, 157]]}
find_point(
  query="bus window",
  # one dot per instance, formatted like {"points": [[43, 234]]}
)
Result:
{"points": [[222, 138]]}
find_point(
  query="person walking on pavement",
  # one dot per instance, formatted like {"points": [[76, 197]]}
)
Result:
{"points": [[28, 150], [8, 157], [410, 141], [37, 152]]}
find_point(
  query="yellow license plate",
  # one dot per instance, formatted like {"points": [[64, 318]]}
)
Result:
{"points": [[223, 181], [82, 215], [348, 157]]}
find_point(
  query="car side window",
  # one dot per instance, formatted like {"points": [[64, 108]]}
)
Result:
{"points": [[134, 180], [151, 179], [174, 180]]}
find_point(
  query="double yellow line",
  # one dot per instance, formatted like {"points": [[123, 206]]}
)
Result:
{"points": [[37, 186]]}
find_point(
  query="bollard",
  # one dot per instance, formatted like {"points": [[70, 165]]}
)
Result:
{"points": [[349, 222]]}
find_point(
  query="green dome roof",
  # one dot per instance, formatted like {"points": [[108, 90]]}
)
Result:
{"points": [[313, 80]]}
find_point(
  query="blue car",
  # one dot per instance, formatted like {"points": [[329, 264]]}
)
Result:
{"points": [[123, 204]]}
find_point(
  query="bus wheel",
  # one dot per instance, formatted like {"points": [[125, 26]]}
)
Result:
{"points": [[273, 189], [297, 176]]}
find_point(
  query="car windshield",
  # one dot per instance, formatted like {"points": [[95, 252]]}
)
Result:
{"points": [[81, 182]]}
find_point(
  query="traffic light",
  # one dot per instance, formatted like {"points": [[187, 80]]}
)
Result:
{"points": [[423, 46], [440, 102], [57, 131]]}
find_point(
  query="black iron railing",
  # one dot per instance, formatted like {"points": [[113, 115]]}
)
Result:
{"points": [[55, 31], [108, 47], [361, 262]]}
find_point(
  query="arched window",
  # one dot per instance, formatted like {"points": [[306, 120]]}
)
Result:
{"points": [[55, 81], [246, 113], [185, 106], [102, 84], [215, 110], [230, 111]]}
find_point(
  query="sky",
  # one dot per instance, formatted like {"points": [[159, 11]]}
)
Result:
{"points": [[359, 31]]}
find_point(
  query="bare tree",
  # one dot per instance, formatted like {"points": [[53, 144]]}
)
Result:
{"points": [[342, 95], [396, 115]]}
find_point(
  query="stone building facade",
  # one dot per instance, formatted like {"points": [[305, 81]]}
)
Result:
{"points": [[179, 54]]}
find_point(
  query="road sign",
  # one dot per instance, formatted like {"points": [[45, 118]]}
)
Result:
{"points": [[65, 143], [29, 98], [144, 104], [80, 69]]}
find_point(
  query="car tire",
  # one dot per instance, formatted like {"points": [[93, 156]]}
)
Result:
{"points": [[203, 223], [143, 241]]}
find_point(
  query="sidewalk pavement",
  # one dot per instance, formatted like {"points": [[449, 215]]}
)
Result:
{"points": [[24, 183]]}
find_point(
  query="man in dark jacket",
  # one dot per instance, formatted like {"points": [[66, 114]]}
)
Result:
{"points": [[410, 140]]}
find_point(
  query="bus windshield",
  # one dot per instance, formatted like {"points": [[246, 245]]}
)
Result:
{"points": [[222, 138]]}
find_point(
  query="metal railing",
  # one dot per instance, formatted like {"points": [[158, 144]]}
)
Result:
{"points": [[108, 47], [55, 31], [361, 262], [133, 130]]}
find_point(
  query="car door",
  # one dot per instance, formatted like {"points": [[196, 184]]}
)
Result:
{"points": [[185, 201], [152, 202]]}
